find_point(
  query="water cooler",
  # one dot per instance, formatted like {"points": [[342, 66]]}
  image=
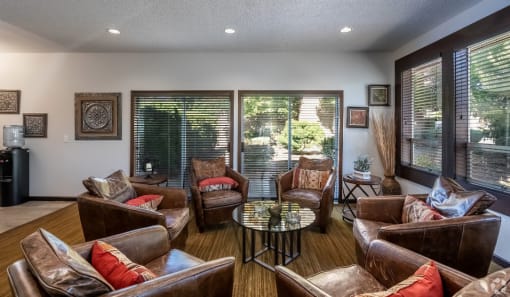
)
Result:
{"points": [[14, 174]]}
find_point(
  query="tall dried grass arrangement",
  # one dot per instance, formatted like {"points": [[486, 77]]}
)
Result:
{"points": [[384, 131]]}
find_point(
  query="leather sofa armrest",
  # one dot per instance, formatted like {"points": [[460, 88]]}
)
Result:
{"points": [[22, 281], [289, 283], [242, 180], [140, 245], [172, 197], [213, 279], [386, 209], [284, 182], [384, 257]]}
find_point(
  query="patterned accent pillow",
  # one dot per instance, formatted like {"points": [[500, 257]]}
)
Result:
{"points": [[116, 187], [146, 201], [208, 168], [116, 267], [61, 271], [217, 184], [309, 179], [494, 284], [416, 210], [425, 282]]}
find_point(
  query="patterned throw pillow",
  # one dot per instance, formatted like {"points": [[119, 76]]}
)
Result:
{"points": [[496, 284], [425, 282], [146, 201], [217, 184], [416, 210], [116, 187], [309, 179], [116, 268]]}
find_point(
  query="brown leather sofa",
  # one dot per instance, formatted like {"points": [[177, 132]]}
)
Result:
{"points": [[386, 265], [178, 274], [465, 243], [102, 217], [319, 201], [215, 207]]}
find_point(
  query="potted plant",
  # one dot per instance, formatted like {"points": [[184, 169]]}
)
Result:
{"points": [[362, 167]]}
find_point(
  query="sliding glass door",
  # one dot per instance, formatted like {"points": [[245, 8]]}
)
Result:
{"points": [[278, 127]]}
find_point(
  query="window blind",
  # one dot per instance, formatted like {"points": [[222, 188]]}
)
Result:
{"points": [[421, 139], [171, 128]]}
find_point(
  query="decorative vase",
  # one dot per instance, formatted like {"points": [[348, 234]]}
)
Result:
{"points": [[361, 174], [276, 214], [390, 186]]}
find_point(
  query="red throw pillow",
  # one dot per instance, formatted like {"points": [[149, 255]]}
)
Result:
{"points": [[425, 282], [416, 210], [116, 268], [146, 201], [217, 183]]}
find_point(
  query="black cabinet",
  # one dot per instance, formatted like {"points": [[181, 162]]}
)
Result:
{"points": [[14, 177]]}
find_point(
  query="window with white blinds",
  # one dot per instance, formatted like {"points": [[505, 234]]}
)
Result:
{"points": [[483, 112], [169, 128], [421, 139]]}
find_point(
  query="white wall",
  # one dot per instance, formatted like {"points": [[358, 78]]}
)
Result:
{"points": [[48, 83], [462, 20]]}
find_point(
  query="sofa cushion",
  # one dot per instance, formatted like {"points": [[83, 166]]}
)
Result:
{"points": [[60, 270], [303, 197], [146, 201], [221, 198], [116, 268], [208, 168], [176, 220], [116, 187], [494, 284], [346, 281], [309, 179], [425, 282], [416, 210], [217, 183], [452, 200], [315, 164]]}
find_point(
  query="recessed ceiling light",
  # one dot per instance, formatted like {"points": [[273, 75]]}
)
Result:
{"points": [[346, 29], [230, 30], [113, 31]]}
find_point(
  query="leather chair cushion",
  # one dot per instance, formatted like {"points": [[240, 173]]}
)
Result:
{"points": [[176, 220], [221, 198], [346, 281], [61, 271], [175, 260], [495, 284], [116, 187], [208, 168], [365, 231], [303, 197], [315, 164], [451, 200]]}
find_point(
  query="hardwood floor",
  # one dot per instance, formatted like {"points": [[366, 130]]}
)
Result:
{"points": [[319, 251]]}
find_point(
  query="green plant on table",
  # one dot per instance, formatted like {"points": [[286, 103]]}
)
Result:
{"points": [[362, 163]]}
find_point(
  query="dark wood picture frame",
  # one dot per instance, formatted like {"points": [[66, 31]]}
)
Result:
{"points": [[98, 116], [379, 95], [35, 125], [357, 117], [9, 101]]}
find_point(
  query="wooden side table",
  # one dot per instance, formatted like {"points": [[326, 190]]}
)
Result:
{"points": [[374, 183], [152, 179]]}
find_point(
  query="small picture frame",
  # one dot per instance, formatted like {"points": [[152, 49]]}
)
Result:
{"points": [[357, 117], [35, 125], [97, 116], [9, 101], [379, 95]]}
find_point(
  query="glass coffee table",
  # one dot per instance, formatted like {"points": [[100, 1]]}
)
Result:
{"points": [[283, 236]]}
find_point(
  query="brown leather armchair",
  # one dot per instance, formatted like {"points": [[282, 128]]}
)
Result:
{"points": [[386, 265], [319, 201], [215, 207], [102, 217], [179, 274], [464, 243]]}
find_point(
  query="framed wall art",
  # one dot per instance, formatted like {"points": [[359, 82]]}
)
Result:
{"points": [[9, 101], [378, 95], [97, 116], [35, 124], [357, 117]]}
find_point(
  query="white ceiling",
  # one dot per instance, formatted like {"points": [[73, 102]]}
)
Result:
{"points": [[198, 25]]}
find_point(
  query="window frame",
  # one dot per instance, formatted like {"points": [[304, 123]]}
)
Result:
{"points": [[488, 27]]}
